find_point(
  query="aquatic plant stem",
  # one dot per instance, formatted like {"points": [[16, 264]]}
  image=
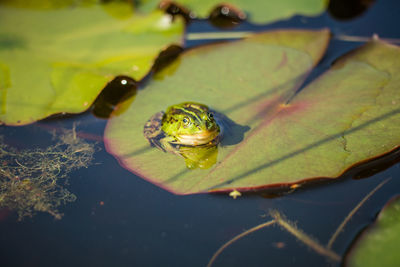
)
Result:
{"points": [[217, 35], [313, 244], [353, 211], [243, 34], [350, 38], [230, 242]]}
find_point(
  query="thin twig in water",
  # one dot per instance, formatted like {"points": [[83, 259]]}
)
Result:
{"points": [[23, 166], [230, 242], [313, 244], [243, 34], [350, 215], [74, 131], [350, 38], [217, 35]]}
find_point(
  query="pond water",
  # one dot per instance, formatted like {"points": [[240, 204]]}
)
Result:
{"points": [[119, 219]]}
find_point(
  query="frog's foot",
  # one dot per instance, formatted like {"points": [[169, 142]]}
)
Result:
{"points": [[167, 146], [156, 144]]}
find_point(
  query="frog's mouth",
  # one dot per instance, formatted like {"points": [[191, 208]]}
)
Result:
{"points": [[198, 139]]}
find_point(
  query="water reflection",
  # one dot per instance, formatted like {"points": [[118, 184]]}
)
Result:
{"points": [[202, 157]]}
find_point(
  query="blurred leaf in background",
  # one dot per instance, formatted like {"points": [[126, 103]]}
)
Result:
{"points": [[58, 59], [258, 11]]}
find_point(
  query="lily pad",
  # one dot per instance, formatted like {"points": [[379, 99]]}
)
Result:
{"points": [[258, 11], [378, 244], [248, 81], [58, 60]]}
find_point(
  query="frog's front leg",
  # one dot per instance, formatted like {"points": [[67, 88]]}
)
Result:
{"points": [[166, 144]]}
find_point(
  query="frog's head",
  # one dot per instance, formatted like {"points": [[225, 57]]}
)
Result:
{"points": [[190, 124]]}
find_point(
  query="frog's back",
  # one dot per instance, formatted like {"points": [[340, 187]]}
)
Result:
{"points": [[152, 130]]}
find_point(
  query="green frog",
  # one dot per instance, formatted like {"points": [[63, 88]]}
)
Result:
{"points": [[188, 125]]}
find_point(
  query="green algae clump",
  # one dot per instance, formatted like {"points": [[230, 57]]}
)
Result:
{"points": [[33, 180]]}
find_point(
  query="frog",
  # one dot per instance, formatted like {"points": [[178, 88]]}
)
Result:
{"points": [[188, 124]]}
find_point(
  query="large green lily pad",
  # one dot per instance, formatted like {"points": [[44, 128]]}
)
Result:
{"points": [[258, 11], [58, 60], [348, 115], [248, 81], [378, 245]]}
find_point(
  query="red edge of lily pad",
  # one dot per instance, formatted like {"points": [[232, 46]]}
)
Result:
{"points": [[276, 186], [299, 182]]}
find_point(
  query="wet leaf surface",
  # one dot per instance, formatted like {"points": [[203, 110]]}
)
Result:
{"points": [[257, 11], [48, 67], [248, 87], [378, 244], [348, 115]]}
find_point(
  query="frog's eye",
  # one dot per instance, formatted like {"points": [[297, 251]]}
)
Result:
{"points": [[210, 115], [186, 121]]}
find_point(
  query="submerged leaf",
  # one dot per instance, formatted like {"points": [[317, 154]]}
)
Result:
{"points": [[259, 11], [378, 244], [248, 81], [58, 60]]}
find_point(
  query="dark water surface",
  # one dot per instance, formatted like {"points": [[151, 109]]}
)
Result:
{"points": [[140, 224]]}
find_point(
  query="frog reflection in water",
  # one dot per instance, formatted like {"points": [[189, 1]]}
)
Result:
{"points": [[188, 129]]}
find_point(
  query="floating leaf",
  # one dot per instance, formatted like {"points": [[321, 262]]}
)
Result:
{"points": [[259, 11], [378, 244], [58, 60], [348, 115], [248, 81]]}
